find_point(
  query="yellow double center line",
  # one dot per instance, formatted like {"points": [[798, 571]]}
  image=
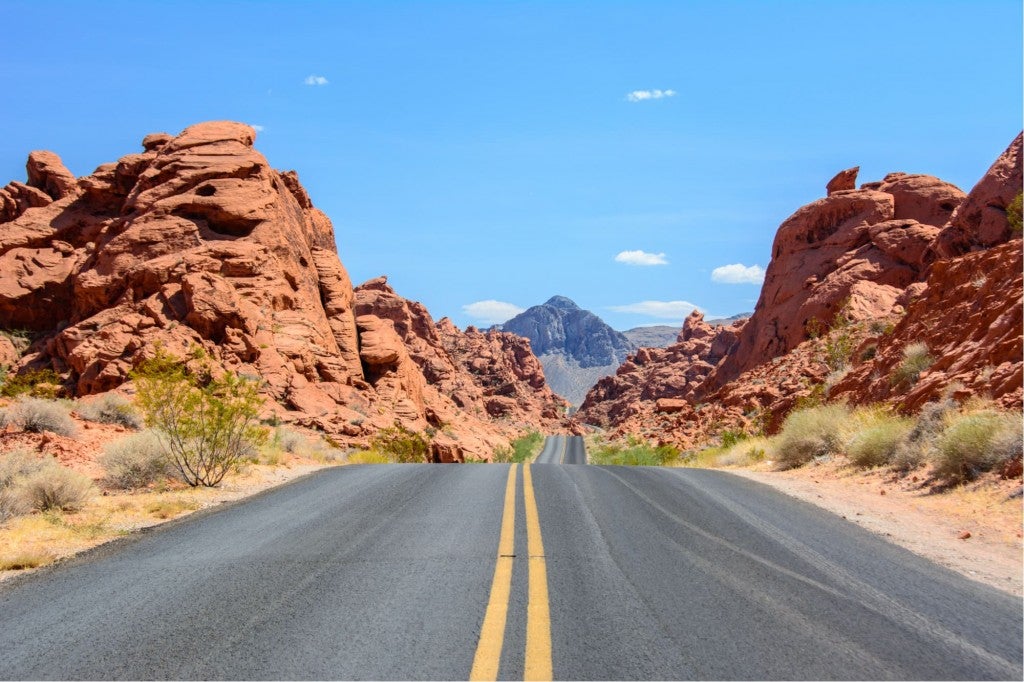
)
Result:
{"points": [[537, 664]]}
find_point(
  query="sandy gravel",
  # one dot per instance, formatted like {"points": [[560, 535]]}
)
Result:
{"points": [[908, 513]]}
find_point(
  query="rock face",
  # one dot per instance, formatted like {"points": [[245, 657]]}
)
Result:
{"points": [[198, 245], [859, 248], [910, 259], [666, 377], [574, 345]]}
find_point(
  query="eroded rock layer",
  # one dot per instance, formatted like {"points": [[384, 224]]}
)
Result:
{"points": [[196, 244]]}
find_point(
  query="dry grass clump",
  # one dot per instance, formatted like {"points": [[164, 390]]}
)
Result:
{"points": [[110, 408], [809, 433], [975, 442], [877, 436], [31, 483], [135, 461], [38, 415], [368, 457], [288, 440], [744, 452], [915, 360]]}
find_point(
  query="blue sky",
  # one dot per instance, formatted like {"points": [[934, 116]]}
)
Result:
{"points": [[491, 151]]}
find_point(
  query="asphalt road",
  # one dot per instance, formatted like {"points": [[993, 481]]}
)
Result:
{"points": [[563, 450], [440, 571]]}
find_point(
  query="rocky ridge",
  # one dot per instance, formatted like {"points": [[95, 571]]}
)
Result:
{"points": [[198, 245], [910, 259]]}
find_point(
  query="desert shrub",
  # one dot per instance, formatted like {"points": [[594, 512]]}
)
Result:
{"points": [[742, 452], [39, 383], [633, 453], [368, 457], [523, 448], [970, 444], [206, 425], [110, 408], [839, 349], [401, 444], [135, 461], [15, 467], [38, 415], [809, 433], [56, 487], [1013, 215], [288, 440], [915, 360], [877, 441]]}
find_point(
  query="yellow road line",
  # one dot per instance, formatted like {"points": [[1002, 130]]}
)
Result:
{"points": [[565, 446], [492, 633], [538, 614]]}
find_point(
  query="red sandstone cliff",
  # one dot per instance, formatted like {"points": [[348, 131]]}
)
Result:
{"points": [[197, 244]]}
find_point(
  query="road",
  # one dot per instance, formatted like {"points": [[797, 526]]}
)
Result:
{"points": [[562, 450], [508, 571]]}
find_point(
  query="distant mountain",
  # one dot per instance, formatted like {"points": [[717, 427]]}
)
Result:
{"points": [[658, 336], [574, 345]]}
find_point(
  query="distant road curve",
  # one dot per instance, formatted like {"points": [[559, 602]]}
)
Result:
{"points": [[563, 450], [508, 572]]}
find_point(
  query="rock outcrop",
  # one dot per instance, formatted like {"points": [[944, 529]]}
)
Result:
{"points": [[910, 259], [196, 244]]}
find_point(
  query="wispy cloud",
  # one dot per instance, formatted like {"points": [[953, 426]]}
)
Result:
{"points": [[737, 273], [316, 80], [491, 311], [258, 128], [666, 310], [644, 95], [641, 258]]}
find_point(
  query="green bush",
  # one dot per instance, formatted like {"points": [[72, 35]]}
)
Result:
{"points": [[38, 415], [402, 445], [206, 425], [633, 453], [135, 461], [1013, 215], [915, 360], [974, 443], [523, 449], [110, 408], [809, 433], [39, 383]]}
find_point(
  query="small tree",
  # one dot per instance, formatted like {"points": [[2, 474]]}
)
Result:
{"points": [[205, 425], [403, 445]]}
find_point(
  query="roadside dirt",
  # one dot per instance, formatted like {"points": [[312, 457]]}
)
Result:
{"points": [[975, 529]]}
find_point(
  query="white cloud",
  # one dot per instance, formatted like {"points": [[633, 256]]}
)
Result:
{"points": [[737, 273], [491, 311], [641, 258], [643, 95], [315, 80], [666, 310], [258, 128]]}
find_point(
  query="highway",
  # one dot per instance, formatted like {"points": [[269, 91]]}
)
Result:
{"points": [[511, 572], [562, 450]]}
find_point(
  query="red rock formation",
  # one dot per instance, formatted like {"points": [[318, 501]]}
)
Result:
{"points": [[666, 375], [980, 221], [970, 318], [197, 244], [872, 252], [859, 247]]}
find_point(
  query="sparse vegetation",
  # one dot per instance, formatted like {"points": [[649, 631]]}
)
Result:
{"points": [[206, 425], [401, 445], [633, 453], [1013, 215], [368, 457], [39, 383], [288, 440], [915, 360], [975, 442], [28, 483], [877, 438], [809, 433], [523, 449], [110, 408], [38, 415], [135, 461]]}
